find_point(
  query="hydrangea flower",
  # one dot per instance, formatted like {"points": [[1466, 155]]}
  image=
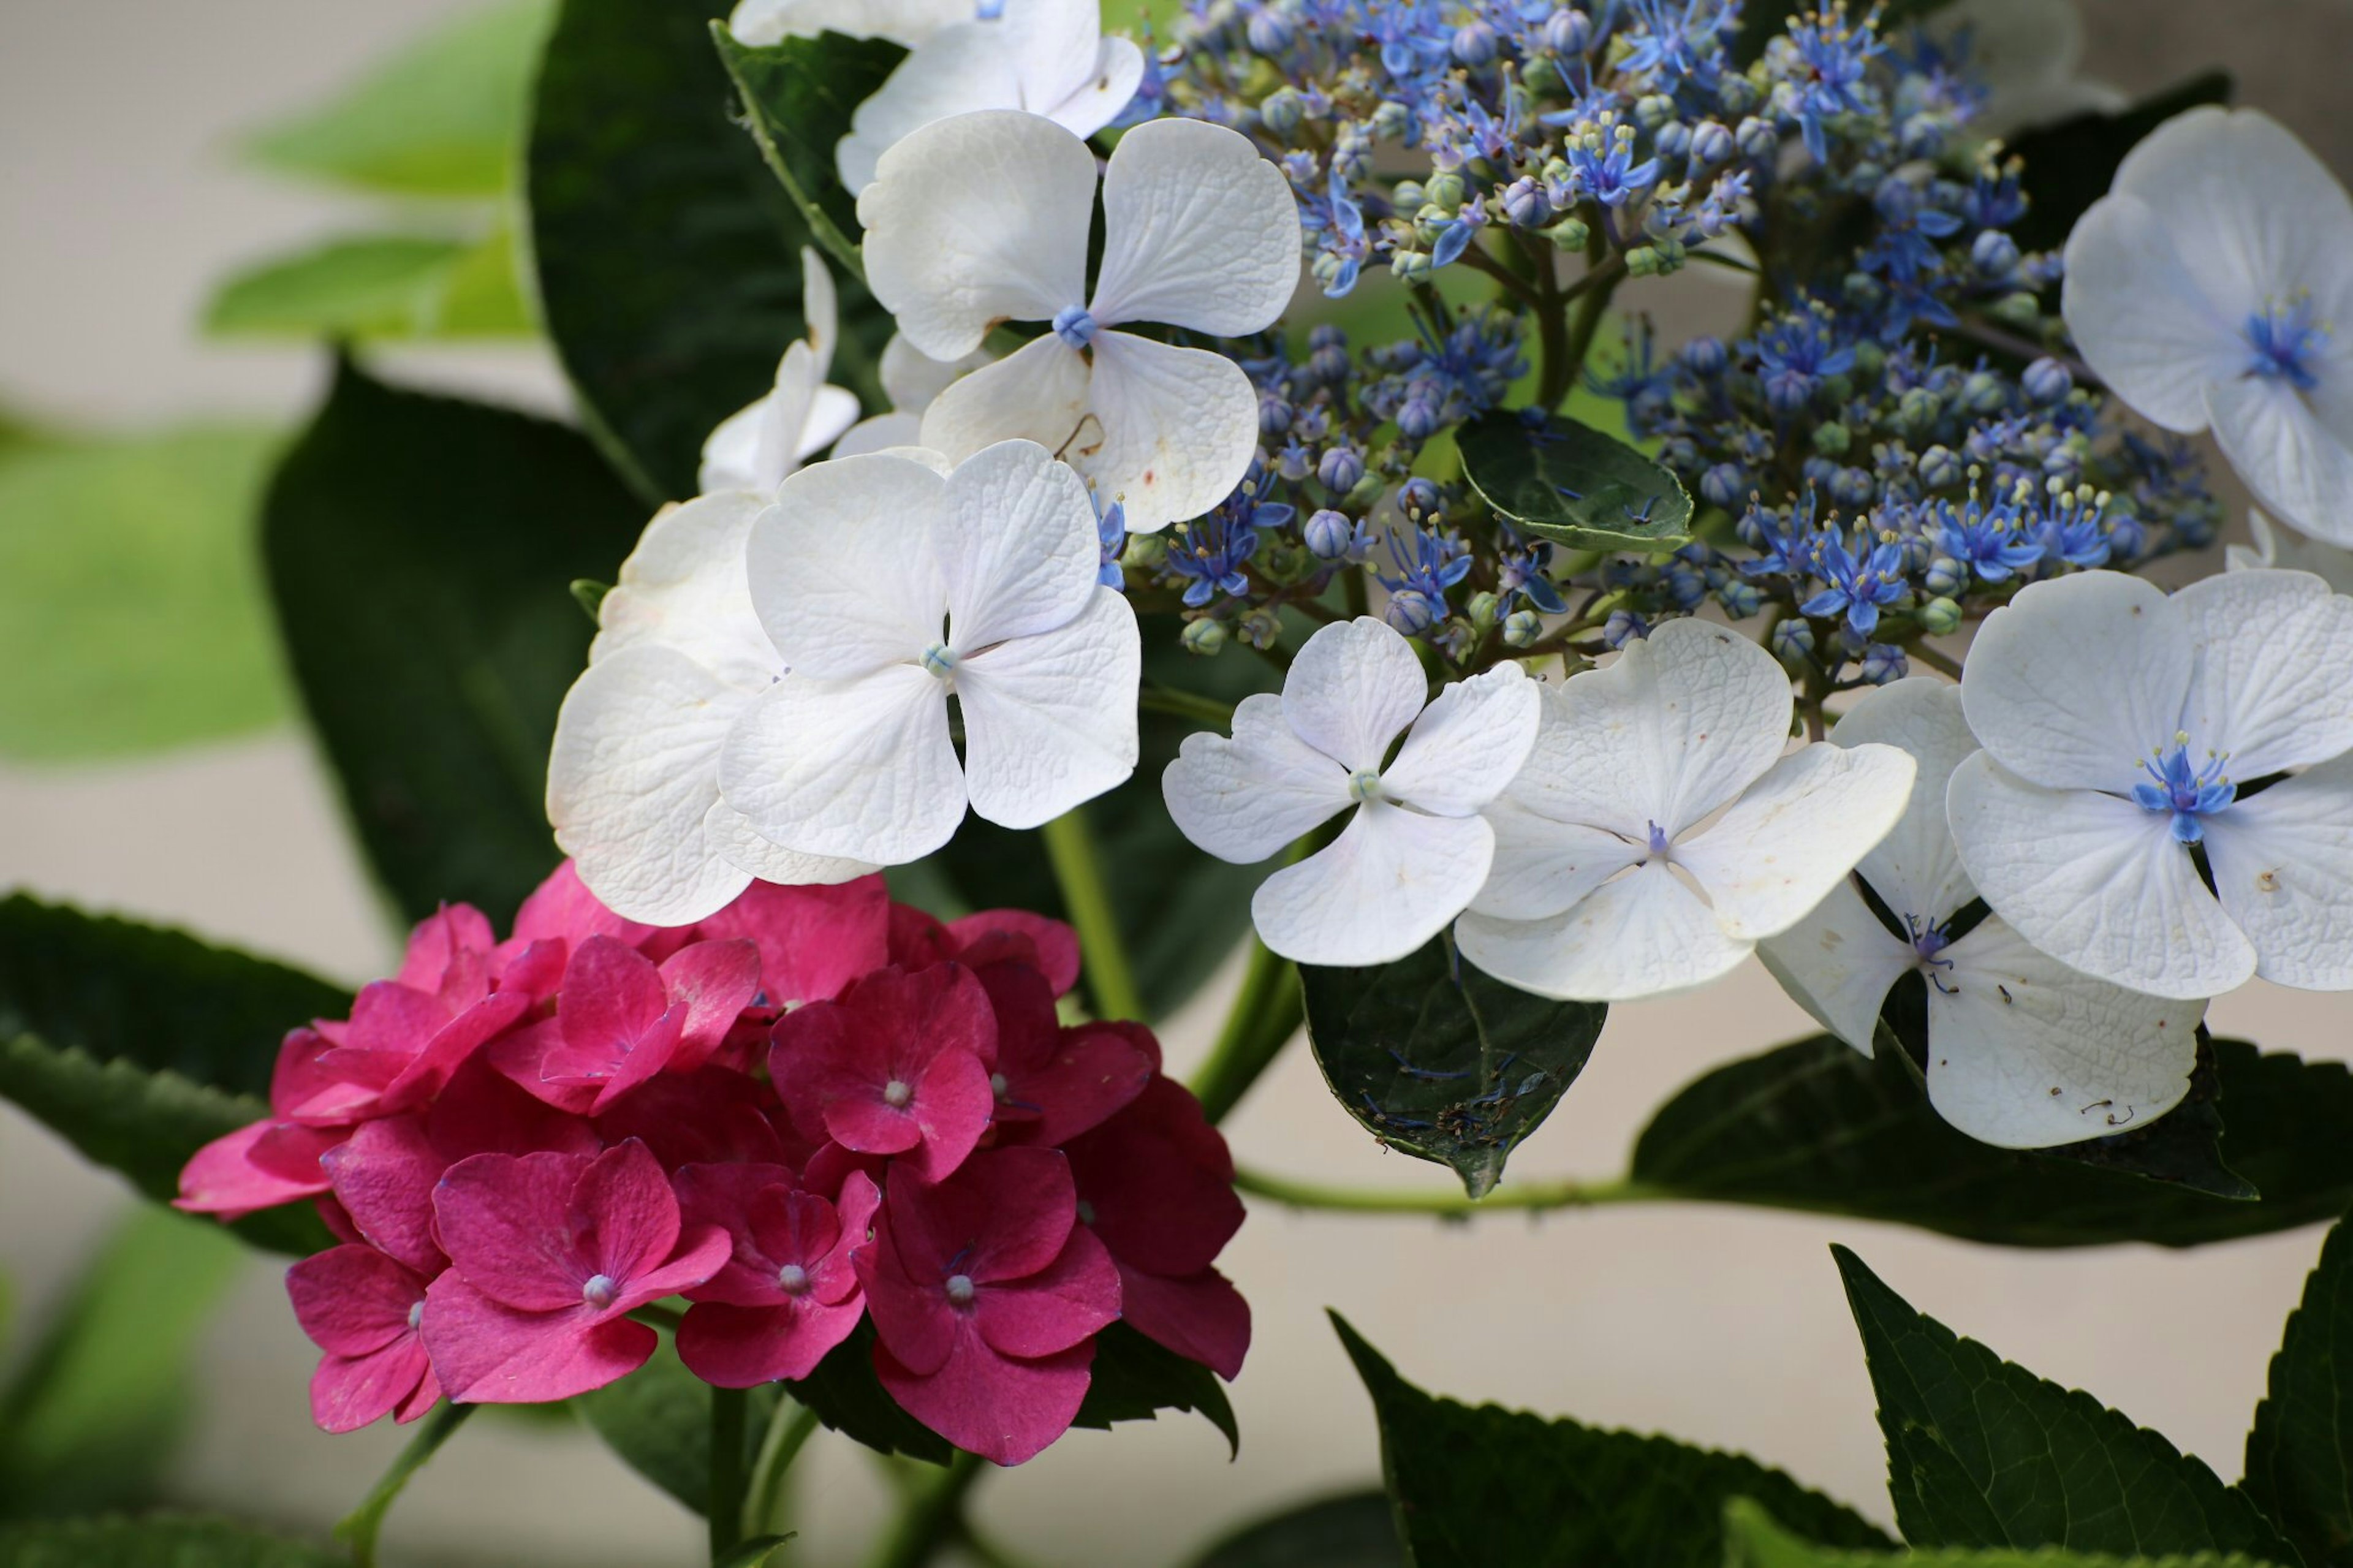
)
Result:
{"points": [[853, 574], [363, 1309], [548, 1256], [986, 1292], [899, 1066], [789, 1292], [1047, 58], [2023, 1052], [620, 1020], [985, 218], [756, 447], [2205, 289], [2123, 729], [2290, 551], [1415, 849], [1664, 766], [908, 22]]}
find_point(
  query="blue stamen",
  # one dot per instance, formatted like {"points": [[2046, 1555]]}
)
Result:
{"points": [[2286, 341], [939, 659], [1074, 326], [1657, 842], [2190, 794]]}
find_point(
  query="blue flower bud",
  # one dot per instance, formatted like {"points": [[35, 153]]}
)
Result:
{"points": [[1568, 32], [1410, 611], [1292, 463], [1787, 392], [1685, 587], [1474, 44], [1274, 415], [1674, 140], [1418, 499], [1622, 627], [1522, 627], [1525, 205], [2047, 380], [1740, 598], [1940, 616], [1340, 470], [1757, 139], [1328, 534], [1268, 32], [1994, 254], [1882, 663], [1853, 486], [1712, 143], [1940, 467], [1204, 637], [1724, 484], [1418, 420], [1945, 578], [1983, 392], [1260, 627], [1702, 356], [1283, 112], [1793, 640], [1391, 121]]}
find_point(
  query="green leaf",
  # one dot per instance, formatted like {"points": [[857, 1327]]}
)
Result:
{"points": [[131, 611], [658, 1419], [1443, 1061], [1180, 912], [1753, 1539], [850, 1399], [1477, 1487], [1352, 1530], [1981, 1453], [754, 1552], [669, 254], [1134, 1379], [102, 1402], [2300, 1454], [139, 1046], [442, 117], [798, 95], [154, 1543], [378, 287], [420, 551], [1816, 1126], [2070, 164], [1568, 483]]}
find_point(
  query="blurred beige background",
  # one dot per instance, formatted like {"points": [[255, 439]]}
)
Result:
{"points": [[118, 204]]}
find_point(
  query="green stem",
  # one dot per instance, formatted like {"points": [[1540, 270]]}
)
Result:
{"points": [[932, 1520], [1158, 699], [729, 1483], [1451, 1205], [358, 1530], [1595, 287], [985, 1550], [790, 1431], [1078, 873], [1265, 1012]]}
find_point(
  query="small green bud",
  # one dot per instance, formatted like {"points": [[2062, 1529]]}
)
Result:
{"points": [[1831, 439], [1654, 109], [1410, 195], [1445, 190], [1522, 627], [1655, 260], [1483, 608], [1145, 551], [1412, 266], [1939, 617], [1260, 627], [1569, 234], [2020, 310], [1204, 638], [1917, 409]]}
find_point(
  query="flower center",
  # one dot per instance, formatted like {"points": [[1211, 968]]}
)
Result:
{"points": [[997, 1085], [416, 1313], [1074, 326], [897, 1093], [960, 1290], [1659, 849], [2190, 793], [1364, 785], [940, 661], [2287, 342], [1086, 1212], [599, 1291], [793, 1279]]}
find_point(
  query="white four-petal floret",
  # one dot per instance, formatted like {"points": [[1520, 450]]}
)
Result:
{"points": [[755, 448]]}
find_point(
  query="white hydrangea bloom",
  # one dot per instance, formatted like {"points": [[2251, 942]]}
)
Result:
{"points": [[912, 380], [2119, 727], [633, 779], [1415, 849], [2206, 290], [984, 218], [889, 586], [1047, 58], [1659, 832], [2023, 1052], [2290, 551], [908, 22], [755, 448]]}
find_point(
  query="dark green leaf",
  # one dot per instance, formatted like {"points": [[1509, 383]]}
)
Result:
{"points": [[2070, 164], [419, 550], [1752, 1539], [384, 286], [658, 1419], [798, 95], [154, 1543], [1134, 1379], [1475, 1488], [102, 1400], [132, 613], [1981, 1453], [850, 1399], [442, 117], [1816, 1126], [669, 254], [1443, 1061], [1570, 483], [2300, 1454], [1180, 911], [1352, 1530], [754, 1552]]}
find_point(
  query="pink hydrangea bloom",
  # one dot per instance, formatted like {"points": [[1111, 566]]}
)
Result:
{"points": [[709, 1117], [1054, 1083], [991, 936], [899, 1066], [788, 1294], [548, 1256], [985, 1294], [256, 1167], [813, 941], [620, 1020], [362, 1309]]}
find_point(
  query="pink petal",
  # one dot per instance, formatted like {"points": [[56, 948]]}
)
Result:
{"points": [[564, 909], [1027, 1027], [836, 1279], [1004, 1215], [710, 1116], [917, 940], [997, 1408], [832, 1166], [722, 1195], [523, 1056], [623, 1213], [813, 941], [1158, 1180], [442, 941], [535, 969], [349, 1392], [427, 1396], [701, 1254], [255, 1167], [448, 1049], [953, 1102], [993, 935], [353, 1300], [298, 1078], [1068, 1301], [910, 1310], [482, 1111], [506, 1221], [872, 1126], [390, 1020], [487, 1353], [383, 1176], [1200, 1317], [1089, 1074], [742, 1347], [715, 980]]}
